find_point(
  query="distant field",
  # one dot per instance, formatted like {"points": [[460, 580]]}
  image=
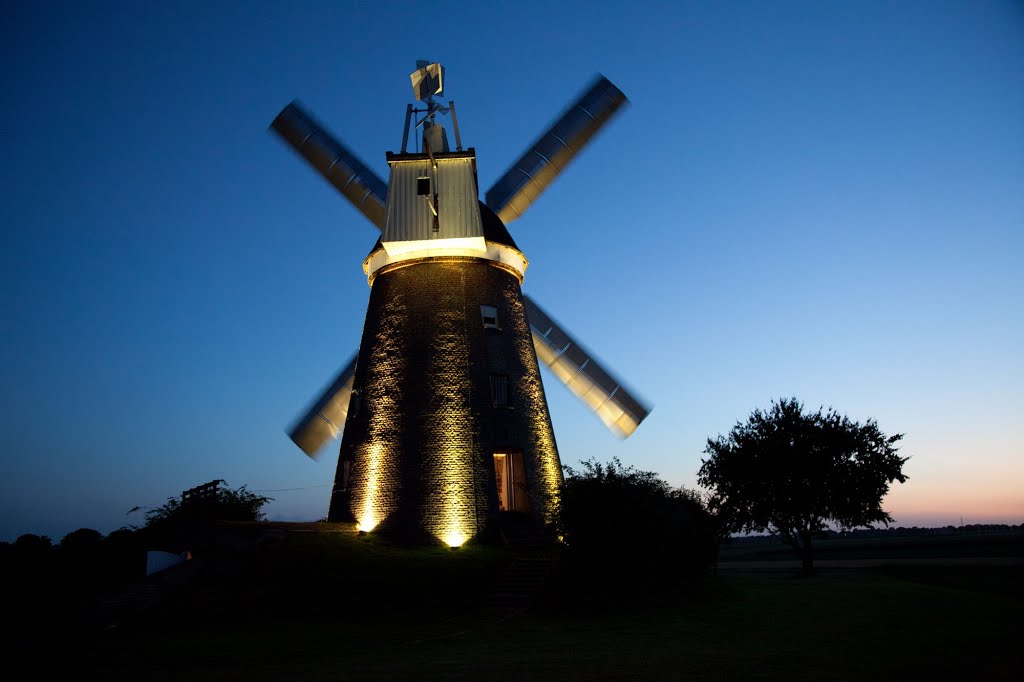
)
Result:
{"points": [[337, 606], [899, 547]]}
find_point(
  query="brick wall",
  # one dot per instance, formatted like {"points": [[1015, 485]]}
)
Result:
{"points": [[419, 443]]}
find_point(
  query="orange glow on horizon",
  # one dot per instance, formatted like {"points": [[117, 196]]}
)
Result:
{"points": [[943, 499]]}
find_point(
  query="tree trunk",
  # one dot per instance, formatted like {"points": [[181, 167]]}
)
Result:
{"points": [[806, 554]]}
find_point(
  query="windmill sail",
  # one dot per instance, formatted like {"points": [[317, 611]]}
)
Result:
{"points": [[334, 161], [325, 419], [528, 177], [583, 375]]}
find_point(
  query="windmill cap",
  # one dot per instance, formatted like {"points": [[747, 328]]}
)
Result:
{"points": [[494, 230]]}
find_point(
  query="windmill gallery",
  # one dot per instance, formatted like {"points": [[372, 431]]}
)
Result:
{"points": [[444, 422]]}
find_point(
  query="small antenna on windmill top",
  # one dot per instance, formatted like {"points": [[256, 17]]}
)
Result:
{"points": [[427, 83]]}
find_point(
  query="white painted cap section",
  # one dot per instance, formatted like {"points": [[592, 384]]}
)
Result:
{"points": [[410, 214], [499, 253]]}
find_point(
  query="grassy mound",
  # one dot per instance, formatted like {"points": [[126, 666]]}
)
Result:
{"points": [[316, 576]]}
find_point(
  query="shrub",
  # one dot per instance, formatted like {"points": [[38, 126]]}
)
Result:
{"points": [[183, 523], [621, 525]]}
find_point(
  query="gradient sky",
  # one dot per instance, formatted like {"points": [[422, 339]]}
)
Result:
{"points": [[817, 199]]}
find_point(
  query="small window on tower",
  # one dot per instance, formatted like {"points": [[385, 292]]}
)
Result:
{"points": [[489, 316], [423, 187], [346, 468], [499, 390]]}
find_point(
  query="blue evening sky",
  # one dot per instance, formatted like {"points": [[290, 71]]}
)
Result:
{"points": [[818, 199]]}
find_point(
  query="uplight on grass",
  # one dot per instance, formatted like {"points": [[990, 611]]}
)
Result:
{"points": [[455, 539]]}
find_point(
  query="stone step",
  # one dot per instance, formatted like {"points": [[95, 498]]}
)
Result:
{"points": [[519, 585]]}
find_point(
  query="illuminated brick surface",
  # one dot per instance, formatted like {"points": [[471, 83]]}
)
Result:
{"points": [[420, 442]]}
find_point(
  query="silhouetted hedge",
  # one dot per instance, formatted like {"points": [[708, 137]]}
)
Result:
{"points": [[627, 532]]}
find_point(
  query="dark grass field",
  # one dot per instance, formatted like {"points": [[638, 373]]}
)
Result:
{"points": [[339, 606], [939, 546]]}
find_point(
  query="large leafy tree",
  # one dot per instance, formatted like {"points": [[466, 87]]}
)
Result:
{"points": [[792, 473]]}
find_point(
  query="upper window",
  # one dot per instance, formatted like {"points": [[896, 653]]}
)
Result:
{"points": [[423, 186], [499, 390], [489, 317]]}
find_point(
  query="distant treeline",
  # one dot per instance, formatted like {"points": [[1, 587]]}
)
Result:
{"points": [[891, 532]]}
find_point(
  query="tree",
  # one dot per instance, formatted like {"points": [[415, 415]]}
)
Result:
{"points": [[81, 541], [790, 473], [183, 522], [629, 530], [229, 505]]}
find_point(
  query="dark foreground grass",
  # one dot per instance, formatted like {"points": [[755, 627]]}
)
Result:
{"points": [[336, 607]]}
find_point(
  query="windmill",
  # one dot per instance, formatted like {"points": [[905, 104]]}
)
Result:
{"points": [[444, 422]]}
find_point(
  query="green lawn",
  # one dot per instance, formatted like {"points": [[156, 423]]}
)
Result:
{"points": [[334, 606]]}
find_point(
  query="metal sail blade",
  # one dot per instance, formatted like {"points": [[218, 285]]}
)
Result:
{"points": [[528, 177], [335, 162], [619, 409], [325, 418]]}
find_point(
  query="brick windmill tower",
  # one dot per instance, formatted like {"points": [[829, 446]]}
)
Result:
{"points": [[446, 431]]}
